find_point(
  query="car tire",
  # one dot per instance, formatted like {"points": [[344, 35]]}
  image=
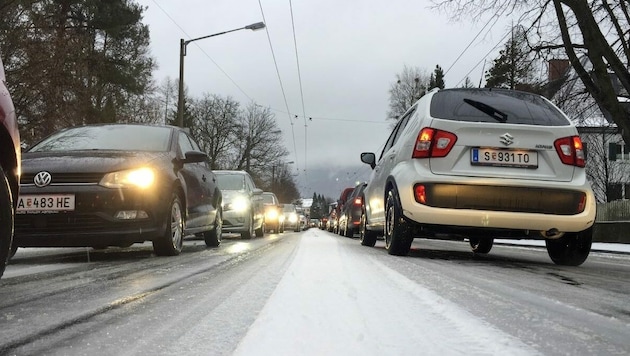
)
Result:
{"points": [[249, 233], [398, 234], [7, 214], [481, 244], [171, 242], [260, 232], [212, 238], [366, 237], [572, 249]]}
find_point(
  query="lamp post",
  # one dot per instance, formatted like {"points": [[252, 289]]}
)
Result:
{"points": [[182, 54]]}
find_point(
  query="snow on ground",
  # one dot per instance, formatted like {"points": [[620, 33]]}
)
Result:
{"points": [[597, 246], [346, 303]]}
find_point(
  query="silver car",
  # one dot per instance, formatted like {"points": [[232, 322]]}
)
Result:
{"points": [[481, 164], [243, 210]]}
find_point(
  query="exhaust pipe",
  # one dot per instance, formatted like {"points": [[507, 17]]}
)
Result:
{"points": [[552, 234]]}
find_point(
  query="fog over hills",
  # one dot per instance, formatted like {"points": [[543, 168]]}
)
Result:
{"points": [[330, 180]]}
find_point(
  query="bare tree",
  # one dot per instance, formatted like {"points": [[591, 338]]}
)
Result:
{"points": [[167, 95], [215, 126], [598, 30], [256, 142], [411, 84]]}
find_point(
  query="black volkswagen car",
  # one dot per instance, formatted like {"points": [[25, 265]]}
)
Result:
{"points": [[115, 185]]}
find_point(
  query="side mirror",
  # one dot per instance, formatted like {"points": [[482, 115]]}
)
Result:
{"points": [[369, 158], [194, 157]]}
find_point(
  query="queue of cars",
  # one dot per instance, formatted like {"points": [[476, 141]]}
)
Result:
{"points": [[99, 186], [480, 164]]}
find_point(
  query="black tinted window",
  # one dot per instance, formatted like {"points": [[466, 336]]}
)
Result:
{"points": [[492, 105]]}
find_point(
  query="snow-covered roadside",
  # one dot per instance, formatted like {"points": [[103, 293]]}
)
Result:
{"points": [[597, 246], [334, 301]]}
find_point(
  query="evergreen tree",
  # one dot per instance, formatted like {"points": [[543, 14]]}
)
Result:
{"points": [[514, 68], [76, 61], [437, 78]]}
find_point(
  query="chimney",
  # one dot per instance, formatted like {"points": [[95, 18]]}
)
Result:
{"points": [[557, 69]]}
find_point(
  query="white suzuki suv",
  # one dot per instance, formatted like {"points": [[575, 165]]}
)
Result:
{"points": [[481, 164]]}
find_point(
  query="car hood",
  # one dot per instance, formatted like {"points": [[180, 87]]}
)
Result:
{"points": [[86, 161]]}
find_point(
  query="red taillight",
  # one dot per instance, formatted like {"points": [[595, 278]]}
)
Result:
{"points": [[420, 194], [570, 150], [433, 143], [358, 201]]}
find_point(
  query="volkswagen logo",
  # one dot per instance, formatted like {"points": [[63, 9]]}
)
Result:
{"points": [[42, 179], [506, 139]]}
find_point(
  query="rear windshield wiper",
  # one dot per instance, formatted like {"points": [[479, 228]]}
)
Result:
{"points": [[492, 112]]}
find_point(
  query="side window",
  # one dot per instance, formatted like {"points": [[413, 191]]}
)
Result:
{"points": [[393, 137], [184, 143]]}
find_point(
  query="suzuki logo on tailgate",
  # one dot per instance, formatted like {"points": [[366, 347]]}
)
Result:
{"points": [[506, 139], [42, 179]]}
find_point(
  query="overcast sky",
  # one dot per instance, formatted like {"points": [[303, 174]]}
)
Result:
{"points": [[349, 53]]}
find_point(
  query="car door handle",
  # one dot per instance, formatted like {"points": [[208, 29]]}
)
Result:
{"points": [[203, 177]]}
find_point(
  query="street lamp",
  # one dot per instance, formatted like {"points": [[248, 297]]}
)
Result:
{"points": [[182, 54]]}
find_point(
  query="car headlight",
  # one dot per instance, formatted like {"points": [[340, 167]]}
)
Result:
{"points": [[239, 204], [293, 218], [272, 214], [131, 178]]}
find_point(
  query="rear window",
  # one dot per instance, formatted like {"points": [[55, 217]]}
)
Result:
{"points": [[495, 105]]}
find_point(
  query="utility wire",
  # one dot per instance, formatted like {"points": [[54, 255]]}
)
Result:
{"points": [[280, 81], [297, 60], [202, 51]]}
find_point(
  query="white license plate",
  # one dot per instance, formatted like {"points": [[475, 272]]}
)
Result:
{"points": [[504, 158], [45, 203]]}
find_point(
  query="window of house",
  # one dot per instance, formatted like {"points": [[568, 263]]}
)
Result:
{"points": [[618, 151]]}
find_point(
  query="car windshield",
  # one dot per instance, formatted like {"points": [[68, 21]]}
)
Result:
{"points": [[109, 137], [268, 199], [289, 208], [484, 105], [231, 181]]}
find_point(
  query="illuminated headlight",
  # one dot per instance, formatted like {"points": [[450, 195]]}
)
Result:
{"points": [[272, 215], [239, 204], [293, 218], [132, 178]]}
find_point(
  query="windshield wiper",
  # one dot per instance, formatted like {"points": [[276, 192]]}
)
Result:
{"points": [[492, 112]]}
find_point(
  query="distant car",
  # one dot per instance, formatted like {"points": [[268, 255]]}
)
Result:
{"points": [[243, 210], [313, 223], [323, 222], [114, 185], [482, 164], [350, 219], [9, 169], [291, 217], [274, 219], [343, 197]]}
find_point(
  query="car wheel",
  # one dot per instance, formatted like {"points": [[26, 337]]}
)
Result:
{"points": [[281, 229], [366, 237], [250, 229], [398, 237], [213, 237], [6, 221], [260, 232], [572, 249], [170, 244], [14, 249], [481, 244]]}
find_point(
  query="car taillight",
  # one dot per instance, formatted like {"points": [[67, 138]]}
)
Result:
{"points": [[420, 193], [571, 151], [358, 201], [433, 143]]}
